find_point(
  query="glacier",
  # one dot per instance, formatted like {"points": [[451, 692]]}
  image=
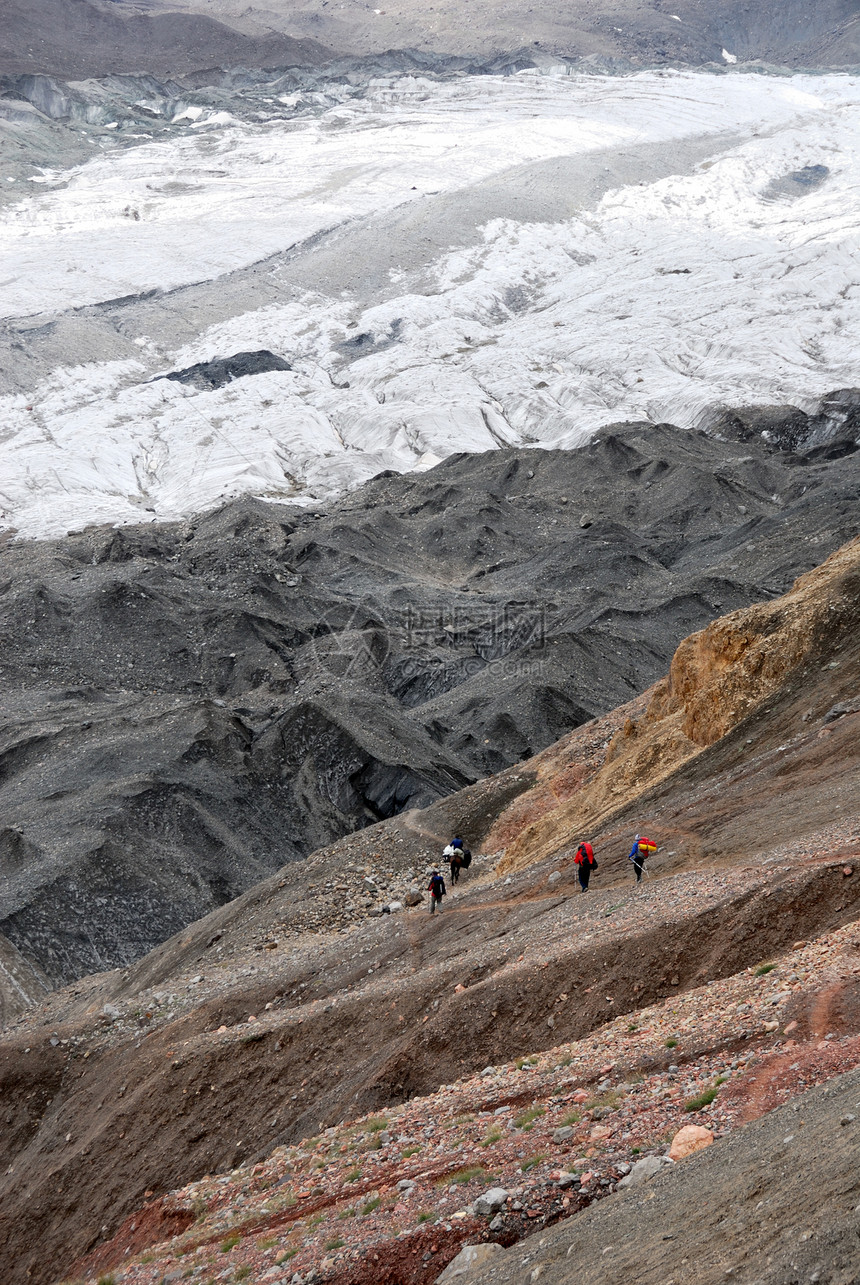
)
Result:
{"points": [[446, 265]]}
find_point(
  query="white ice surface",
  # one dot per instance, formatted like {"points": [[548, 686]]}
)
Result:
{"points": [[662, 301]]}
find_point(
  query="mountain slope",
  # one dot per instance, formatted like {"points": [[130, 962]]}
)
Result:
{"points": [[77, 39], [786, 32], [300, 1015], [188, 707]]}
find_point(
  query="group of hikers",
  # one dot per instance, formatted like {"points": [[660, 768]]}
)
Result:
{"points": [[459, 858], [586, 862]]}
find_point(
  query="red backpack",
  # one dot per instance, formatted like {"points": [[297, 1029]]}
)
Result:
{"points": [[584, 855]]}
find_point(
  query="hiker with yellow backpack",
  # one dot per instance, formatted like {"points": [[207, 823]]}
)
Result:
{"points": [[642, 848]]}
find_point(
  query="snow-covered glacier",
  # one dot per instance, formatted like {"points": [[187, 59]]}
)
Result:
{"points": [[444, 265]]}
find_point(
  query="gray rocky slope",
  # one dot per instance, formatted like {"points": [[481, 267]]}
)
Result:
{"points": [[652, 32], [77, 38], [187, 707]]}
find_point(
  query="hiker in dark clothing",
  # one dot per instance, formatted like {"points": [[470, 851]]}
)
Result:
{"points": [[641, 849], [436, 888], [585, 861]]}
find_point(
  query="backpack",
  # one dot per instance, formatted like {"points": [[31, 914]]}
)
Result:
{"points": [[435, 886], [467, 859], [584, 855], [647, 848]]}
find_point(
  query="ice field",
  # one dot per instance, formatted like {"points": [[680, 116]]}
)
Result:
{"points": [[445, 265]]}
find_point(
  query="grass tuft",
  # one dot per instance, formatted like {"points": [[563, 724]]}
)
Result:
{"points": [[671, 1043], [532, 1163], [462, 1176], [528, 1117], [369, 1207], [763, 969], [227, 1245], [703, 1100]]}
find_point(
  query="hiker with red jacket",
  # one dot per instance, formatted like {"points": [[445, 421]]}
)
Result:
{"points": [[436, 888], [641, 849], [585, 861]]}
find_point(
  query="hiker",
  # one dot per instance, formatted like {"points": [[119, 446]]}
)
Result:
{"points": [[585, 861], [436, 888], [641, 849]]}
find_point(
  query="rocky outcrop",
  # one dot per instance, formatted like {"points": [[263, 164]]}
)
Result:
{"points": [[223, 370], [718, 678]]}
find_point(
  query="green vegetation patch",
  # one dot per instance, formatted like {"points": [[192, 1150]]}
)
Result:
{"points": [[528, 1117], [462, 1176], [703, 1100], [532, 1163]]}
